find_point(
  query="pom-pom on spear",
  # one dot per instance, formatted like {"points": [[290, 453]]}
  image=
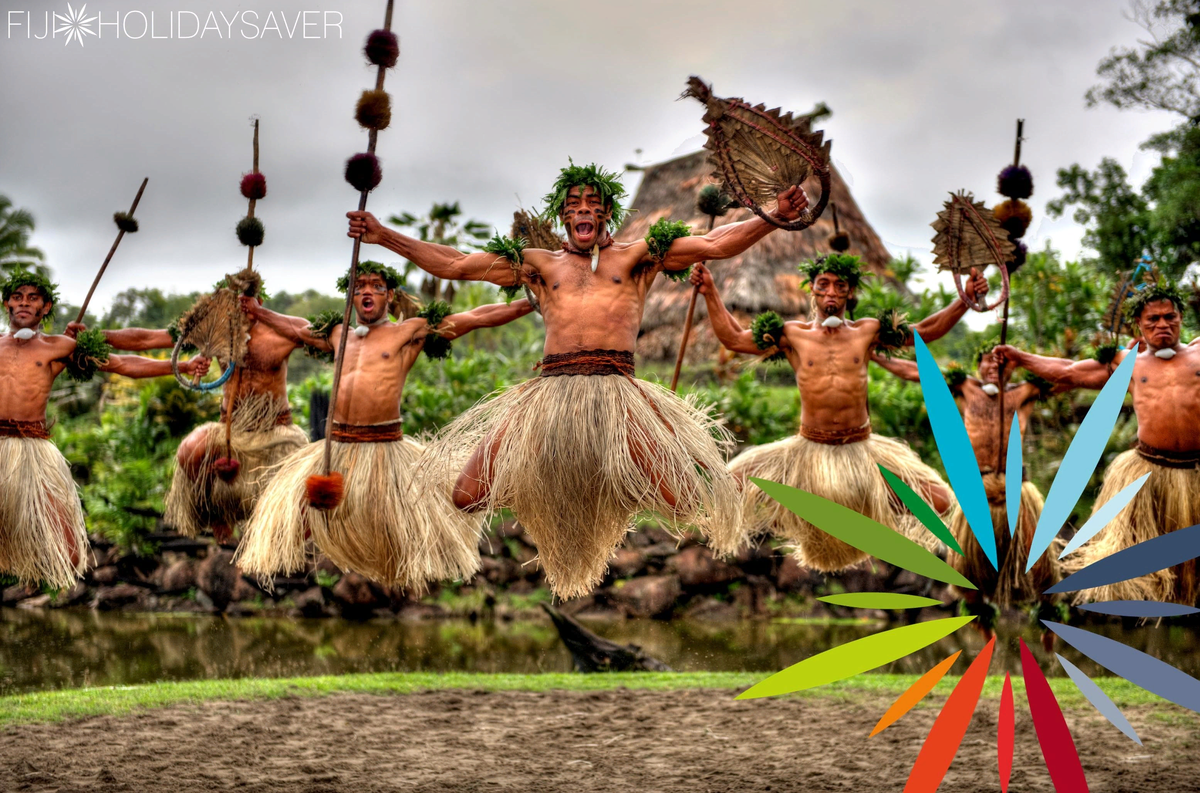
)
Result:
{"points": [[125, 225], [364, 174]]}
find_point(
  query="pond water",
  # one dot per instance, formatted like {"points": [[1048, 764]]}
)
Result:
{"points": [[71, 648]]}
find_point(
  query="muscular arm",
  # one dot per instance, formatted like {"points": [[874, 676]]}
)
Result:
{"points": [[732, 335], [1090, 374], [295, 328], [734, 238], [441, 261], [137, 366], [905, 370], [488, 316], [139, 339]]}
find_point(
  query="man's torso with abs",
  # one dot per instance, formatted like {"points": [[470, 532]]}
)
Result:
{"points": [[374, 371], [591, 311], [27, 372], [1166, 399], [831, 372], [981, 418], [265, 368]]}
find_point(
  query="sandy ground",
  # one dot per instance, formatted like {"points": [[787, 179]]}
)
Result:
{"points": [[574, 742]]}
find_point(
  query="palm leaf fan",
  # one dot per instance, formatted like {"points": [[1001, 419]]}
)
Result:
{"points": [[969, 236], [215, 324], [535, 232], [759, 153]]}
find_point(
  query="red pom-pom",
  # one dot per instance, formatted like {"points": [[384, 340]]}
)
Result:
{"points": [[226, 468], [382, 48], [254, 186], [222, 534], [363, 172], [325, 492]]}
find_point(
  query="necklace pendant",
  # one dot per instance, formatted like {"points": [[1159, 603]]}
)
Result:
{"points": [[595, 256]]}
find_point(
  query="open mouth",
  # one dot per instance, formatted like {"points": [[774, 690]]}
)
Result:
{"points": [[368, 304], [584, 230]]}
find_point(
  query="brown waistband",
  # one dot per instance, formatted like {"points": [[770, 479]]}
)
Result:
{"points": [[1168, 459], [24, 429], [367, 433], [836, 437], [1024, 472], [587, 362], [282, 420]]}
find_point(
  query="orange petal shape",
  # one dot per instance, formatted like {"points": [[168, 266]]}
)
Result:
{"points": [[915, 693], [943, 740]]}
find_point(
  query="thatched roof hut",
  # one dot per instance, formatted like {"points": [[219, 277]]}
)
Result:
{"points": [[763, 278]]}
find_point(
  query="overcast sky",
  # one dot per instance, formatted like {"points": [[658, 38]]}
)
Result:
{"points": [[491, 97]]}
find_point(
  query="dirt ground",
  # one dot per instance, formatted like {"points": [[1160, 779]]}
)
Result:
{"points": [[576, 742]]}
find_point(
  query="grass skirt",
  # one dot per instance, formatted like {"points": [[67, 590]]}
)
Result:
{"points": [[258, 441], [39, 511], [1012, 584], [1169, 500], [566, 464], [384, 528], [847, 474]]}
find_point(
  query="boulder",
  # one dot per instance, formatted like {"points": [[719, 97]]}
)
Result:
{"points": [[649, 596], [627, 563], [697, 568], [179, 577], [791, 577], [755, 596], [217, 578], [36, 602], [310, 602], [111, 597], [106, 575], [355, 593], [712, 610], [15, 594], [71, 597], [244, 591]]}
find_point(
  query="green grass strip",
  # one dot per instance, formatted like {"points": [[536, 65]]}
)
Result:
{"points": [[858, 530], [929, 519], [880, 600], [52, 706]]}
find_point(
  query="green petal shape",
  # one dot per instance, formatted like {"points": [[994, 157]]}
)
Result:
{"points": [[854, 658], [863, 533], [880, 600], [925, 513]]}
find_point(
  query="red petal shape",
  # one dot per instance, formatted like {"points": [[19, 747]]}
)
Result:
{"points": [[1006, 734], [1054, 736], [943, 740]]}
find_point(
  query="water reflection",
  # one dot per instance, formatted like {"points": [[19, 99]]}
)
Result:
{"points": [[66, 649]]}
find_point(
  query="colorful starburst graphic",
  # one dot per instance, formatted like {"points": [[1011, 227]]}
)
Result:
{"points": [[873, 651], [74, 24]]}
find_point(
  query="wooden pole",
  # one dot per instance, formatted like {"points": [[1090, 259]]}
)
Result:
{"points": [[250, 213], [111, 251], [341, 352], [1000, 462], [687, 323]]}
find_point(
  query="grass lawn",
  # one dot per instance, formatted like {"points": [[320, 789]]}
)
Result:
{"points": [[46, 706]]}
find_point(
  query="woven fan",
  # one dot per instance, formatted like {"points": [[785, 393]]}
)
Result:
{"points": [[759, 153], [536, 232], [216, 326], [968, 235]]}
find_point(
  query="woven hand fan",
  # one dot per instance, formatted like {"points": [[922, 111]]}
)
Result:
{"points": [[968, 235], [216, 326], [759, 153]]}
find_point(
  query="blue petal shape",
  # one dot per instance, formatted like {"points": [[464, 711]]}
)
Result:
{"points": [[1157, 553], [955, 447], [1140, 608], [1100, 701], [1080, 460], [1104, 515], [1013, 477], [1144, 671]]}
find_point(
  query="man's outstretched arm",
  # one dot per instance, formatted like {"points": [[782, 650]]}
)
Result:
{"points": [[938, 324], [133, 339], [440, 261], [488, 316], [732, 335], [734, 238], [296, 329], [1090, 374], [137, 366], [905, 370]]}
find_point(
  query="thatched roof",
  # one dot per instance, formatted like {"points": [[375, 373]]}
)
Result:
{"points": [[763, 278]]}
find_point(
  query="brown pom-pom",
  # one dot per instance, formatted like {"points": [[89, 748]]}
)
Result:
{"points": [[1014, 216], [374, 110], [325, 492], [363, 172], [254, 186], [839, 242], [382, 48], [125, 222], [226, 468]]}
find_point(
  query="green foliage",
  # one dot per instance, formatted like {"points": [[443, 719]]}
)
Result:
{"points": [[327, 580], [91, 351], [843, 265], [955, 375], [1160, 290], [767, 330], [509, 248], [436, 346], [754, 412], [1052, 302], [1045, 387], [605, 183], [894, 331], [146, 308], [660, 238], [15, 252], [1106, 353], [321, 325], [391, 278], [435, 396], [32, 278]]}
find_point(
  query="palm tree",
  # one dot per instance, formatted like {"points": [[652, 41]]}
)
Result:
{"points": [[15, 251], [442, 227]]}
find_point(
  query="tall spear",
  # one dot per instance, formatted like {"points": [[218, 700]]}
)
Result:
{"points": [[1015, 183], [125, 223], [714, 203], [364, 174]]}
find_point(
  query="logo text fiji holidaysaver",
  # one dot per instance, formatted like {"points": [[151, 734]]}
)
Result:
{"points": [[77, 24]]}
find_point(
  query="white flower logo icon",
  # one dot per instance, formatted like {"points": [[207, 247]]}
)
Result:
{"points": [[74, 24]]}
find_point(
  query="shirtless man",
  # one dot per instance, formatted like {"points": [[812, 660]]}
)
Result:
{"points": [[386, 527], [578, 451], [1166, 400], [979, 397], [835, 456], [206, 490], [42, 534]]}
